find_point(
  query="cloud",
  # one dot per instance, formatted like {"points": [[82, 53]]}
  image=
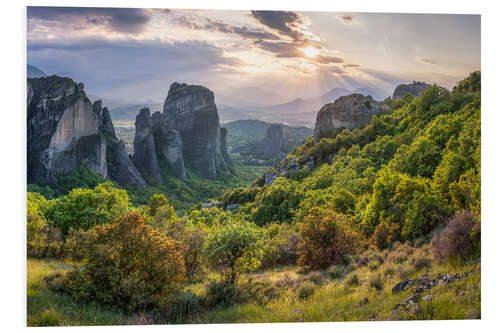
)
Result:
{"points": [[107, 65], [350, 65], [124, 20], [324, 59], [211, 25], [286, 23], [428, 61]]}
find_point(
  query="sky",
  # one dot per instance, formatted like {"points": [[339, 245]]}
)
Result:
{"points": [[248, 57]]}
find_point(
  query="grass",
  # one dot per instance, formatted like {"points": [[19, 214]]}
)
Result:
{"points": [[46, 308], [351, 292], [342, 300]]}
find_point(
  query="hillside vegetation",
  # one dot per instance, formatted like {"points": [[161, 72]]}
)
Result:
{"points": [[385, 226]]}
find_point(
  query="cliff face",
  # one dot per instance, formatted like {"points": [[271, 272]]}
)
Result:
{"points": [[415, 89], [349, 111], [190, 111], [63, 131], [120, 167], [144, 147]]}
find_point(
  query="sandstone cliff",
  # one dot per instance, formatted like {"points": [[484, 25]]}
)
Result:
{"points": [[349, 111], [415, 89], [62, 129], [144, 148], [190, 120], [65, 129]]}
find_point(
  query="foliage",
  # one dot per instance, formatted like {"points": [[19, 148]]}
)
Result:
{"points": [[281, 246], [85, 208], [129, 265], [326, 238], [234, 248], [460, 238], [190, 235]]}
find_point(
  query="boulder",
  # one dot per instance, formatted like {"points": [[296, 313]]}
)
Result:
{"points": [[144, 148], [349, 111], [415, 89]]}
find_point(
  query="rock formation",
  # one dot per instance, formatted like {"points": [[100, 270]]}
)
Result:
{"points": [[349, 111], [169, 146], [415, 89], [120, 167], [190, 120], [62, 129], [272, 146], [144, 147]]}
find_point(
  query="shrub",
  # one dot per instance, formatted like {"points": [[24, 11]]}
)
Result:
{"points": [[373, 265], [339, 271], [306, 290], [191, 236], [220, 293], [182, 306], [156, 201], [326, 238], [352, 279], [460, 238], [234, 248], [281, 247], [375, 281], [385, 234], [129, 265], [49, 317], [74, 245], [388, 271]]}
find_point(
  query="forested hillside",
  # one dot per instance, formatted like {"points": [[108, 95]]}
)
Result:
{"points": [[384, 225]]}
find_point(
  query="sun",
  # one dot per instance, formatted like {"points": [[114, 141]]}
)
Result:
{"points": [[310, 51]]}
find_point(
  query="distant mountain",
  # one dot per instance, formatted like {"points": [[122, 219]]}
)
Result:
{"points": [[248, 96], [34, 72], [242, 132], [129, 112]]}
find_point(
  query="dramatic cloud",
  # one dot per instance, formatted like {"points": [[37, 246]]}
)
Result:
{"points": [[108, 66], [211, 25], [125, 20], [286, 23]]}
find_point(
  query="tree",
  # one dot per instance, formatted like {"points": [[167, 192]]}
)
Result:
{"points": [[85, 208], [234, 248]]}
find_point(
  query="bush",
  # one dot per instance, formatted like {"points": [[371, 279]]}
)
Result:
{"points": [[385, 234], [48, 317], [352, 279], [234, 248], [460, 238], [375, 281], [339, 271], [129, 265], [182, 306], [326, 238], [191, 236], [281, 247], [220, 293], [306, 290]]}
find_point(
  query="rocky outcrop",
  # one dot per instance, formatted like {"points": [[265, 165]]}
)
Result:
{"points": [[284, 169], [120, 166], [349, 111], [190, 111], [144, 148], [62, 129], [169, 146], [272, 146], [415, 89]]}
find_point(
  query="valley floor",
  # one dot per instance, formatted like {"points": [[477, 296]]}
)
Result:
{"points": [[357, 291]]}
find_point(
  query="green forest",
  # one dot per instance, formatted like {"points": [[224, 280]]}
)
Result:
{"points": [[385, 226]]}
